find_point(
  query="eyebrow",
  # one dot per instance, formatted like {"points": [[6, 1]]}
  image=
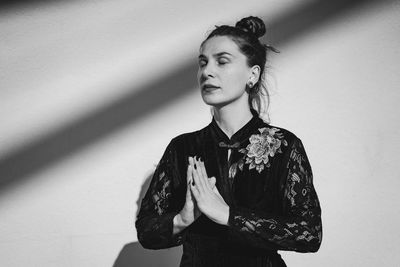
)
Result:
{"points": [[216, 55]]}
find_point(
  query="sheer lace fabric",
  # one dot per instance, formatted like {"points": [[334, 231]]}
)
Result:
{"points": [[300, 228]]}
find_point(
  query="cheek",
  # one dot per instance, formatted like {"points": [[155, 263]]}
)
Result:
{"points": [[238, 79]]}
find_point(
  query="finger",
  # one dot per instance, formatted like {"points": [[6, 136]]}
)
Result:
{"points": [[192, 169], [196, 178], [203, 169], [197, 168], [195, 191], [197, 175], [191, 161], [188, 173], [202, 179], [204, 173], [189, 179]]}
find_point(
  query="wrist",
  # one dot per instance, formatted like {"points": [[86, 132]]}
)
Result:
{"points": [[225, 219], [180, 222], [221, 215], [177, 224]]}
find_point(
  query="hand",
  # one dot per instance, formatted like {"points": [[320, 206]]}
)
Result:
{"points": [[190, 212], [208, 199]]}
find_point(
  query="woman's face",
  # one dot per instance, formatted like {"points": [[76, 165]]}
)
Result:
{"points": [[223, 71]]}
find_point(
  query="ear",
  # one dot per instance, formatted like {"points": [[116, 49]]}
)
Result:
{"points": [[255, 74]]}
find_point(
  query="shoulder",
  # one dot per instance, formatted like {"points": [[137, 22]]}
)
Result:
{"points": [[283, 133], [289, 141], [291, 145]]}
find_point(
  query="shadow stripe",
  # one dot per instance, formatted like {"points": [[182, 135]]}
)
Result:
{"points": [[154, 96]]}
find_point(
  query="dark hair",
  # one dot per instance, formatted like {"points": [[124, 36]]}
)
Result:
{"points": [[246, 34]]}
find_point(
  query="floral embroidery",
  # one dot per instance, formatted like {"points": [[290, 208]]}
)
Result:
{"points": [[262, 147]]}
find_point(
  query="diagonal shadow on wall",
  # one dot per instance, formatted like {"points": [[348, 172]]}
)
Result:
{"points": [[154, 96], [85, 131], [15, 5]]}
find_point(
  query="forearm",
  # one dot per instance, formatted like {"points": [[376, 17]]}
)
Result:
{"points": [[155, 231], [302, 234]]}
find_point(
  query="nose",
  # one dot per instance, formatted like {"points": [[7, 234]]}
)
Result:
{"points": [[206, 72]]}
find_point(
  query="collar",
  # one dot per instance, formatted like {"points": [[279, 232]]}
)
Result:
{"points": [[240, 136]]}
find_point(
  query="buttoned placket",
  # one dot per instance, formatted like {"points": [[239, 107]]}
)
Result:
{"points": [[236, 142]]}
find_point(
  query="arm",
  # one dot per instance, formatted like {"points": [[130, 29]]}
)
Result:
{"points": [[155, 221], [299, 228]]}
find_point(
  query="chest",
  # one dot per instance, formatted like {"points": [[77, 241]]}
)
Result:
{"points": [[243, 180]]}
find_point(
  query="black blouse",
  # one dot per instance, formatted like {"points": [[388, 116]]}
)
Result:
{"points": [[267, 183]]}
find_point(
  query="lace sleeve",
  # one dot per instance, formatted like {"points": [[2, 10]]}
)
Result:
{"points": [[299, 228], [154, 223]]}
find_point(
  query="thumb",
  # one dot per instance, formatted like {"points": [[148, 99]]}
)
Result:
{"points": [[188, 191], [213, 181], [215, 190]]}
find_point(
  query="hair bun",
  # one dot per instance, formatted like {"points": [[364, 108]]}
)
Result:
{"points": [[253, 25]]}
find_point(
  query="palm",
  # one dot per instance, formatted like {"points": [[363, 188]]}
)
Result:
{"points": [[206, 195], [192, 208]]}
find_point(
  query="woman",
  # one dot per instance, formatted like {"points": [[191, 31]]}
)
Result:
{"points": [[238, 190]]}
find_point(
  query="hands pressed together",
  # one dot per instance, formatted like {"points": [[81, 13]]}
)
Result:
{"points": [[202, 196]]}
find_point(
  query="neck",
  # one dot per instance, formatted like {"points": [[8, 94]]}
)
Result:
{"points": [[230, 118]]}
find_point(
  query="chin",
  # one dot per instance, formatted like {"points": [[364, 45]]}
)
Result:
{"points": [[214, 101]]}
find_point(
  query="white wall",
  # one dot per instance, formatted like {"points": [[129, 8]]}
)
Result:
{"points": [[334, 85], [338, 88]]}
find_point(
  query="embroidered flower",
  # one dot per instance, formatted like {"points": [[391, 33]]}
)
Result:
{"points": [[261, 148]]}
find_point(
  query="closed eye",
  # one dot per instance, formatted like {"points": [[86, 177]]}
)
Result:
{"points": [[202, 63], [223, 60]]}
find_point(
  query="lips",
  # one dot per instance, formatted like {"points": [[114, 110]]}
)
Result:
{"points": [[209, 87]]}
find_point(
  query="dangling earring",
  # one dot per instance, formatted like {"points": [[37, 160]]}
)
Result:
{"points": [[250, 84]]}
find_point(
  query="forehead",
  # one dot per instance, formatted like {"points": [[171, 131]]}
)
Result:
{"points": [[219, 44]]}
